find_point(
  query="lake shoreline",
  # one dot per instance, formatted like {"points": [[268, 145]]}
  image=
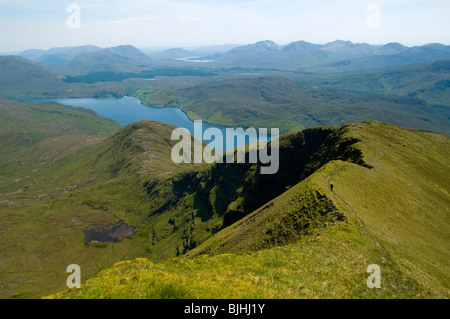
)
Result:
{"points": [[128, 109]]}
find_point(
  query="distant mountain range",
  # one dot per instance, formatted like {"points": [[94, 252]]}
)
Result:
{"points": [[419, 91], [331, 57], [58, 55], [86, 59], [417, 95], [336, 56]]}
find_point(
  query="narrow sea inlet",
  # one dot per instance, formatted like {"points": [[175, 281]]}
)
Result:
{"points": [[126, 110]]}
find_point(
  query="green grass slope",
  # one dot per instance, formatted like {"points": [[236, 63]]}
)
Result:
{"points": [[52, 191], [25, 126], [389, 206], [317, 268], [20, 76], [402, 202], [23, 78], [33, 137], [59, 173]]}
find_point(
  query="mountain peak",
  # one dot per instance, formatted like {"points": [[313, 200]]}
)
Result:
{"points": [[255, 48], [126, 50], [437, 46], [267, 43], [65, 54], [394, 45], [301, 45], [176, 51], [340, 43]]}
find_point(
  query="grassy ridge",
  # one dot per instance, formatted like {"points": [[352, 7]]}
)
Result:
{"points": [[37, 212], [313, 268], [20, 76], [69, 177], [389, 220], [24, 127], [412, 226]]}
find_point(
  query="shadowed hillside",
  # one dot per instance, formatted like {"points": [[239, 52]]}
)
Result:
{"points": [[25, 77]]}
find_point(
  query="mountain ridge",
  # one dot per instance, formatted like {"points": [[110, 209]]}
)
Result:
{"points": [[20, 74], [79, 60], [307, 56], [362, 178], [306, 216], [127, 176]]}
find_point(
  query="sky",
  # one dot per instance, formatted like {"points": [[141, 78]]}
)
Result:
{"points": [[43, 24]]}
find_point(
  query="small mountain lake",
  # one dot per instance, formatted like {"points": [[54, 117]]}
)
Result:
{"points": [[112, 233], [128, 109]]}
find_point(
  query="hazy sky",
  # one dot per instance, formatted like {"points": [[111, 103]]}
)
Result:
{"points": [[43, 24]]}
